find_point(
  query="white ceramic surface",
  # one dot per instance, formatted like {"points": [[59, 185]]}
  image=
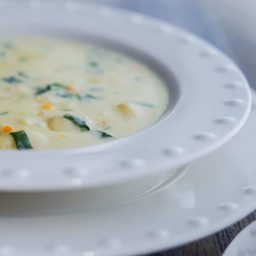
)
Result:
{"points": [[244, 243], [209, 100], [218, 191]]}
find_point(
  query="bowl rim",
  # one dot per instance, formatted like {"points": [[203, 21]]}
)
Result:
{"points": [[184, 134]]}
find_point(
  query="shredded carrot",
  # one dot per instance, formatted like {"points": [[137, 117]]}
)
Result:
{"points": [[47, 106], [7, 129]]}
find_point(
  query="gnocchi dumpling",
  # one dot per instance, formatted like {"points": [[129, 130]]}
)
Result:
{"points": [[126, 109], [6, 141], [60, 124]]}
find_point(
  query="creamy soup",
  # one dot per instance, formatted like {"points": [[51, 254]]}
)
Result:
{"points": [[56, 93]]}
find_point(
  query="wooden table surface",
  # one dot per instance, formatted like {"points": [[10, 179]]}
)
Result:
{"points": [[190, 15]]}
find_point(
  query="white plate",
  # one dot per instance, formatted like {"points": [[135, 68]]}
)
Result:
{"points": [[244, 244], [209, 101], [219, 190]]}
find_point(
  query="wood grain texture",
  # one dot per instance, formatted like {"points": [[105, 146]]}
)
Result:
{"points": [[213, 245]]}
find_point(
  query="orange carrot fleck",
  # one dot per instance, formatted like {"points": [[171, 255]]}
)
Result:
{"points": [[7, 129]]}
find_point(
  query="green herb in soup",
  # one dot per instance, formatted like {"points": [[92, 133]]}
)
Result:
{"points": [[21, 140], [78, 122]]}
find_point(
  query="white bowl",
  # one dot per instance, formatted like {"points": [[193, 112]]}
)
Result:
{"points": [[209, 103]]}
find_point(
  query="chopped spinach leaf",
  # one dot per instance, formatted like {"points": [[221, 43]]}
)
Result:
{"points": [[78, 122], [42, 90], [144, 104], [77, 96], [65, 95], [4, 113], [49, 87], [15, 79], [69, 95], [94, 67], [21, 140], [90, 96], [57, 85], [104, 135], [22, 74], [12, 80], [94, 64]]}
